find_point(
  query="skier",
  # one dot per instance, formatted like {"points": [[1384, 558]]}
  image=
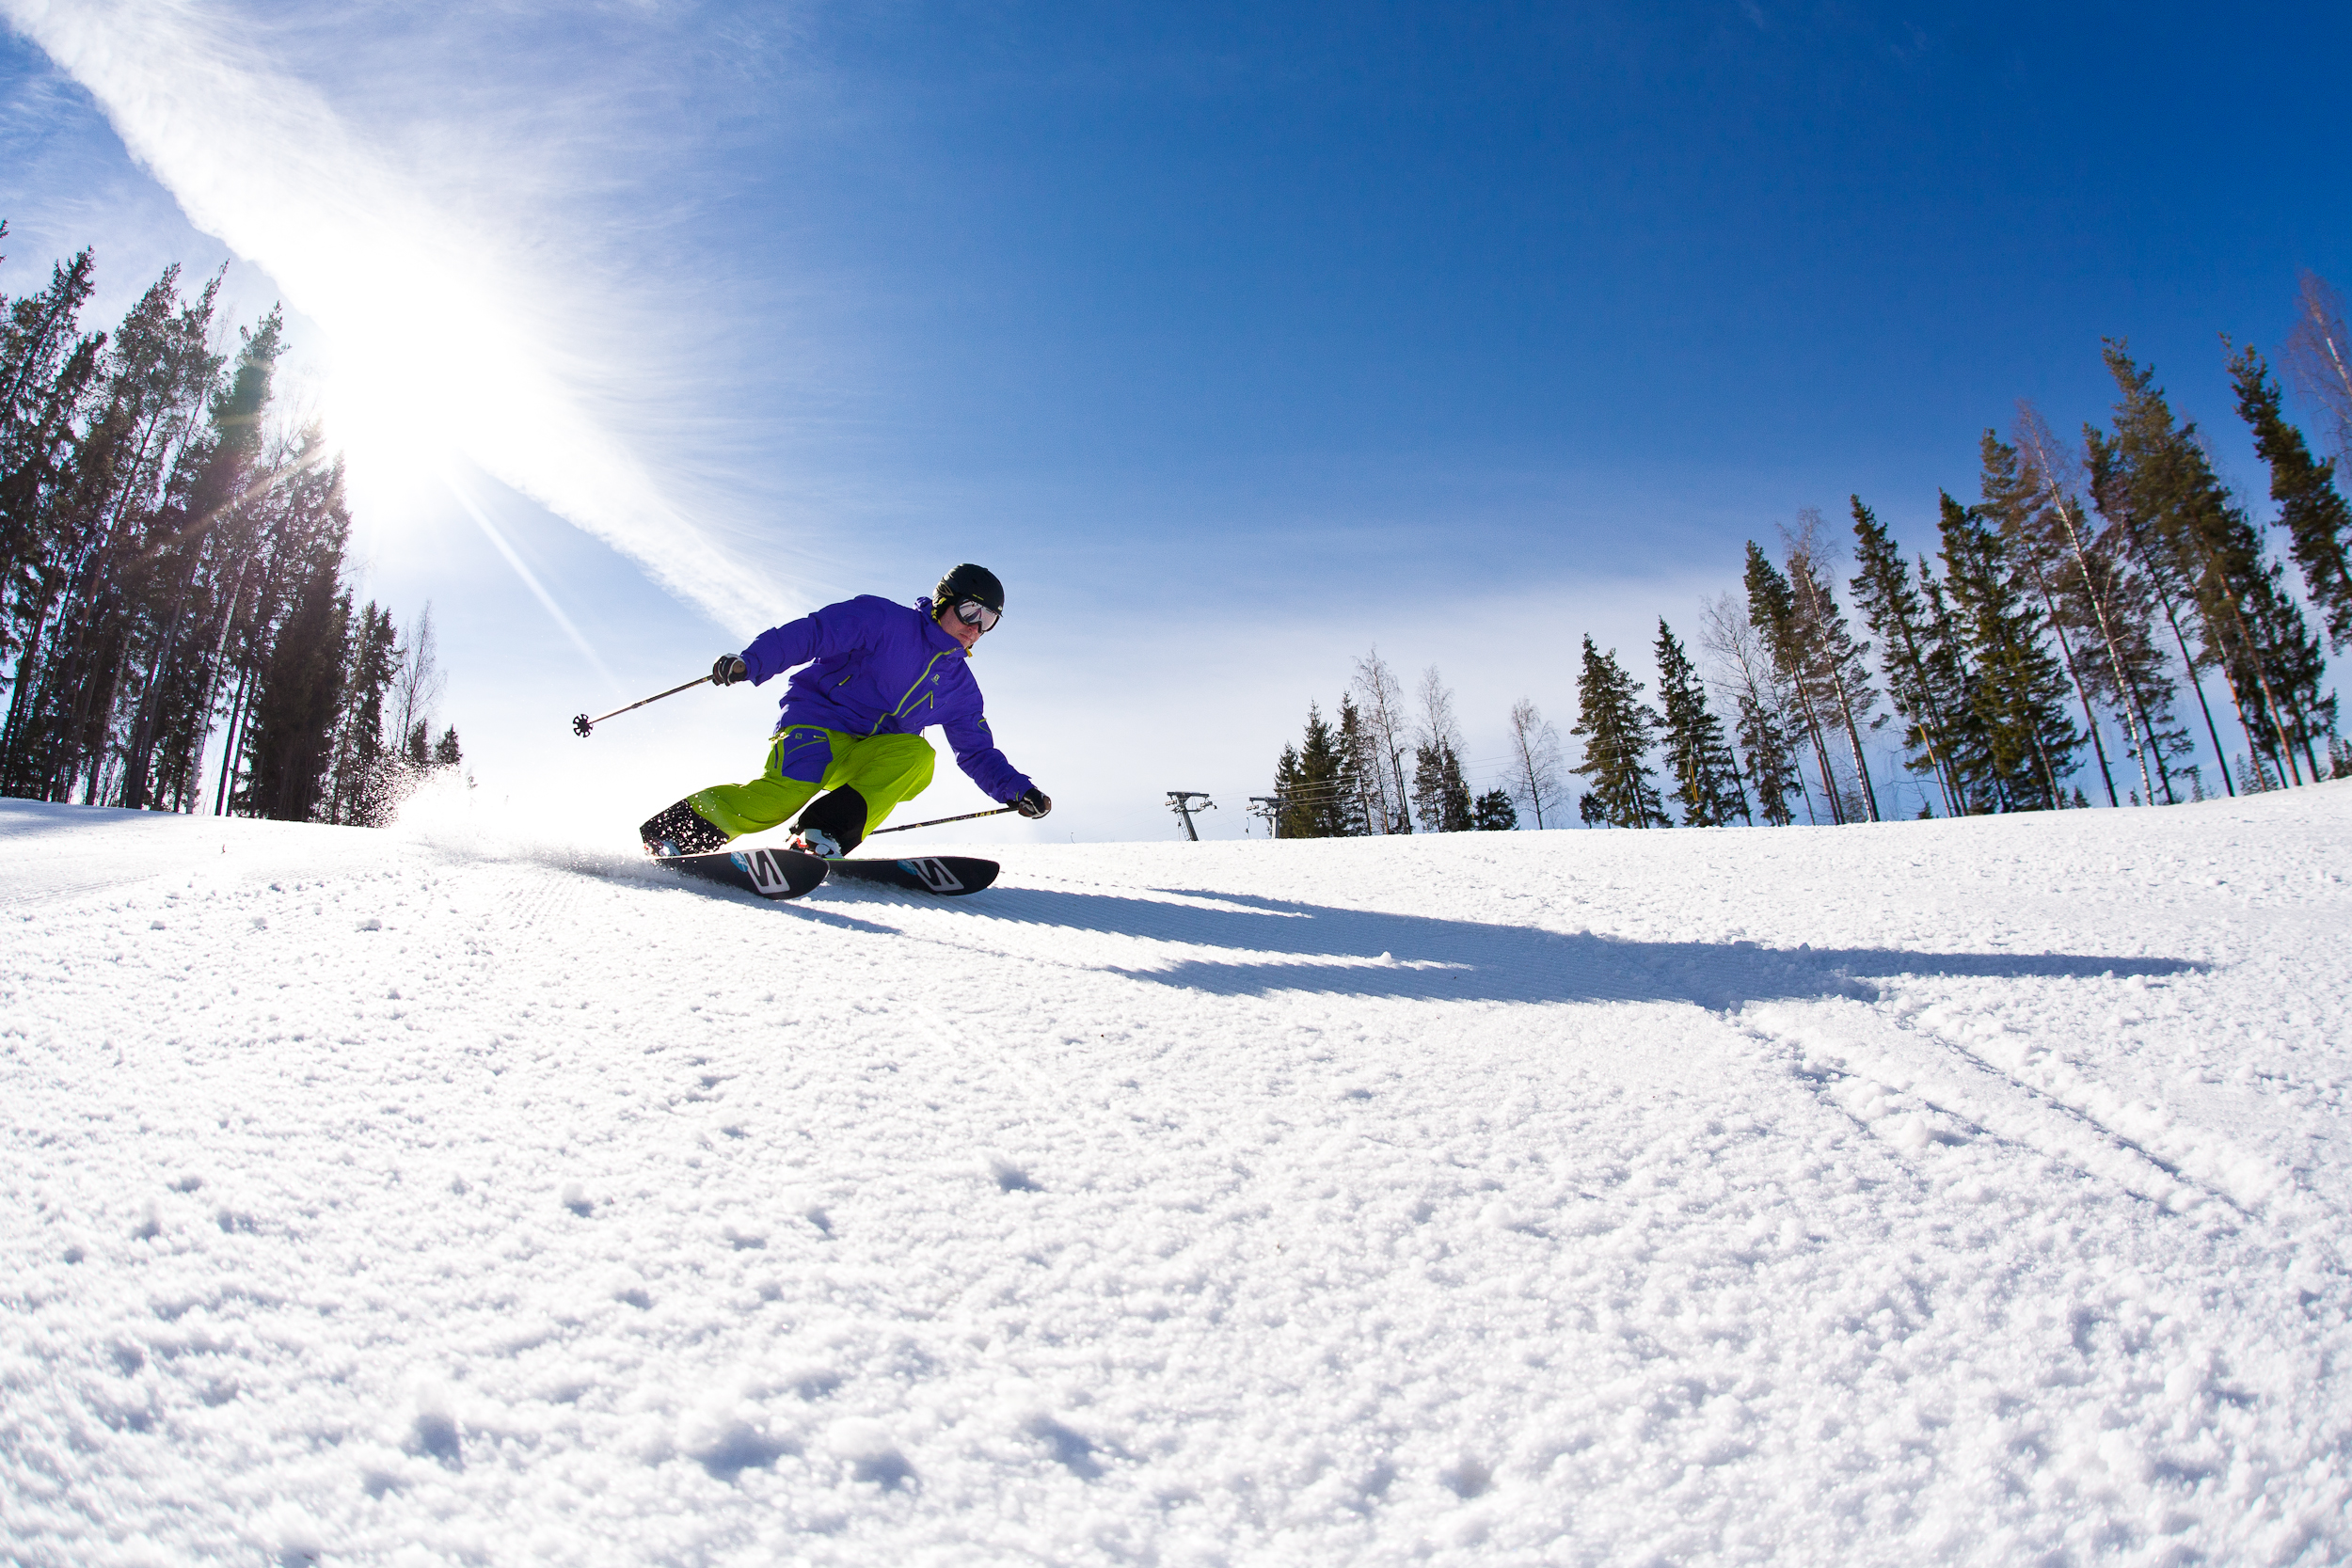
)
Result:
{"points": [[874, 674]]}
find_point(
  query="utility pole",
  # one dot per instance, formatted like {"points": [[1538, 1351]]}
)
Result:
{"points": [[1180, 801], [1269, 807]]}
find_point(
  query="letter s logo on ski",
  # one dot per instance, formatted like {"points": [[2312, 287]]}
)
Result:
{"points": [[935, 874], [765, 874]]}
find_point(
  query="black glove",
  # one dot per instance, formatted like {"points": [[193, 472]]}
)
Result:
{"points": [[1034, 802], [729, 670]]}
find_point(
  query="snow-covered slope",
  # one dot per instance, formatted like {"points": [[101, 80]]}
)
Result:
{"points": [[1965, 1192]]}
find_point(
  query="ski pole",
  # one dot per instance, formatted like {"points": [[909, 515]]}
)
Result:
{"points": [[910, 827], [582, 723]]}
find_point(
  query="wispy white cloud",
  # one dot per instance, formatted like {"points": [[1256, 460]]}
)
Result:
{"points": [[445, 228]]}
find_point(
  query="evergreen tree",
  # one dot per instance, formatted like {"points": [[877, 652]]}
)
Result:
{"points": [[1313, 784], [1495, 814], [2019, 692], [1773, 609], [1617, 731], [1920, 687], [2310, 509], [360, 793], [144, 409], [168, 564], [2017, 502], [2209, 555], [1288, 795], [1699, 761], [2133, 536], [192, 561], [1951, 670], [446, 752], [2104, 600], [297, 522], [1758, 705], [1355, 797], [47, 371], [1440, 796], [1772, 760], [1460, 811], [299, 696], [1836, 665]]}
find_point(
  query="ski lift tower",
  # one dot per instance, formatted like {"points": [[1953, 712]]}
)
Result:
{"points": [[1180, 801], [1269, 807]]}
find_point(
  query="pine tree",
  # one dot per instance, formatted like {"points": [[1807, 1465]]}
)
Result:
{"points": [[1773, 609], [298, 522], [1311, 783], [2017, 503], [1699, 762], [299, 697], [1356, 799], [1759, 703], [446, 752], [46, 369], [1951, 670], [2133, 537], [1617, 732], [1771, 761], [165, 562], [194, 559], [2110, 603], [2019, 692], [1289, 796], [1440, 796], [2207, 555], [1836, 665], [1920, 687], [2310, 509], [1495, 814], [144, 408]]}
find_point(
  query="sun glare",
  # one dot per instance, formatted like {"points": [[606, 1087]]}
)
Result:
{"points": [[393, 458]]}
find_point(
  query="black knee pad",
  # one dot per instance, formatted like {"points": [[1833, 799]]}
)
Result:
{"points": [[841, 814]]}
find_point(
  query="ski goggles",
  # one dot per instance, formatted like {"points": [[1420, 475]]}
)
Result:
{"points": [[974, 613]]}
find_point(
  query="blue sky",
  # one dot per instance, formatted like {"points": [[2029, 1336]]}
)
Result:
{"points": [[1236, 339]]}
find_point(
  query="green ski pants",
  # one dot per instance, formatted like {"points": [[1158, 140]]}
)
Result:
{"points": [[884, 769]]}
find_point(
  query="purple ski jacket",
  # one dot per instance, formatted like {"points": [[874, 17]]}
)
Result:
{"points": [[878, 668]]}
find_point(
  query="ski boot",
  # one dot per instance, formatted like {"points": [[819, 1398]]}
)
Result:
{"points": [[679, 829]]}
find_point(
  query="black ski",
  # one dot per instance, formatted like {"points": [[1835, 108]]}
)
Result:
{"points": [[948, 876], [777, 874], [783, 873]]}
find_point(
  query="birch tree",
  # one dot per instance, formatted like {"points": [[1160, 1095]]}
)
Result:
{"points": [[1536, 762], [1388, 736]]}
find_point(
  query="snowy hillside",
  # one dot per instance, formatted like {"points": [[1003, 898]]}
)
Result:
{"points": [[1954, 1192]]}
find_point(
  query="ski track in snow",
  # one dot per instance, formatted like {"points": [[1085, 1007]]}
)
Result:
{"points": [[1959, 1191]]}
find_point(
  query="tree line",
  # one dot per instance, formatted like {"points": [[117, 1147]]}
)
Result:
{"points": [[171, 577], [2061, 637]]}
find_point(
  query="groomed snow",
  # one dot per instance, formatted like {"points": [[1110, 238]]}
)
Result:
{"points": [[1953, 1192]]}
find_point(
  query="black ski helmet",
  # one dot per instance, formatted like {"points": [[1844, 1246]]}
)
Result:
{"points": [[968, 581]]}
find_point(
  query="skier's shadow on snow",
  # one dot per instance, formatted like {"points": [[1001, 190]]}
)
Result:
{"points": [[1280, 945]]}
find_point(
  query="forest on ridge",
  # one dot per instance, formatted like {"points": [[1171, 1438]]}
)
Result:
{"points": [[176, 630], [2058, 643]]}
